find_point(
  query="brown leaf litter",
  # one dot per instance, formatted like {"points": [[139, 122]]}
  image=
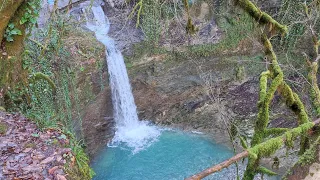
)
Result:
{"points": [[28, 153]]}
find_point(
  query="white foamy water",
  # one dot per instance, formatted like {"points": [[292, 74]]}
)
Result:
{"points": [[135, 134]]}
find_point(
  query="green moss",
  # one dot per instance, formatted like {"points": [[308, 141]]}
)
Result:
{"points": [[240, 73], [190, 28], [82, 169], [135, 8], [2, 108], [274, 131], [235, 34], [302, 114], [314, 90], [3, 128], [11, 72], [287, 94], [263, 170], [30, 145], [289, 140], [261, 17], [270, 146], [310, 154], [265, 96], [40, 76], [264, 149], [276, 82], [263, 86], [7, 11], [243, 142]]}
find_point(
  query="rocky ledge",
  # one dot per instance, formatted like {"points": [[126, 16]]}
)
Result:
{"points": [[28, 153]]}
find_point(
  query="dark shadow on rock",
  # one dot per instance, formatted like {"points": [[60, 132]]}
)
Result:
{"points": [[98, 123]]}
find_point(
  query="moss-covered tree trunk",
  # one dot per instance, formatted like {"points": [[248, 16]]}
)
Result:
{"points": [[312, 11], [12, 74]]}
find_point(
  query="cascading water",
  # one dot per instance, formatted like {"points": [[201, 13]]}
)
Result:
{"points": [[136, 134]]}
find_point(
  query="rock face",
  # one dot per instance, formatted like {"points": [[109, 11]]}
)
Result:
{"points": [[98, 123], [91, 101]]}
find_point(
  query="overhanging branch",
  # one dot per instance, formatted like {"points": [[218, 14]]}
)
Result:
{"points": [[232, 160], [260, 16]]}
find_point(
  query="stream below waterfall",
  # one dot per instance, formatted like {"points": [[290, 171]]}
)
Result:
{"points": [[175, 155]]}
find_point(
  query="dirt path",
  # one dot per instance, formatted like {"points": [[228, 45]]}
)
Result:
{"points": [[27, 153]]}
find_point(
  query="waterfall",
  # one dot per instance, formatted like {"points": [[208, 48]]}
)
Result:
{"points": [[135, 134]]}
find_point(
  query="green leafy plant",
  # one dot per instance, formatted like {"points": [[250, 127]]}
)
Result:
{"points": [[31, 13], [11, 31], [30, 16]]}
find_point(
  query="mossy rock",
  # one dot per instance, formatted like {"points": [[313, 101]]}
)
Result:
{"points": [[2, 108], [3, 128]]}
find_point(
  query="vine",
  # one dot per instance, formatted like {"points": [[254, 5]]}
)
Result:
{"points": [[29, 17]]}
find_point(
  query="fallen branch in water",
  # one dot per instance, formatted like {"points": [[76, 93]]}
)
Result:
{"points": [[219, 167], [232, 160]]}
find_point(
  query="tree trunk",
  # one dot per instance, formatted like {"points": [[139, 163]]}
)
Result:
{"points": [[12, 74]]}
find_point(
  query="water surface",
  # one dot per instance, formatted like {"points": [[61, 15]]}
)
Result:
{"points": [[176, 155]]}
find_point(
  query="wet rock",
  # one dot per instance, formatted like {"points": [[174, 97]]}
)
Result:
{"points": [[98, 129]]}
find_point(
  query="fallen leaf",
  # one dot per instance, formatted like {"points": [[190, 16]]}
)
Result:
{"points": [[61, 177], [35, 135], [73, 160], [27, 150], [62, 136], [59, 158], [52, 170], [47, 160], [32, 168]]}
